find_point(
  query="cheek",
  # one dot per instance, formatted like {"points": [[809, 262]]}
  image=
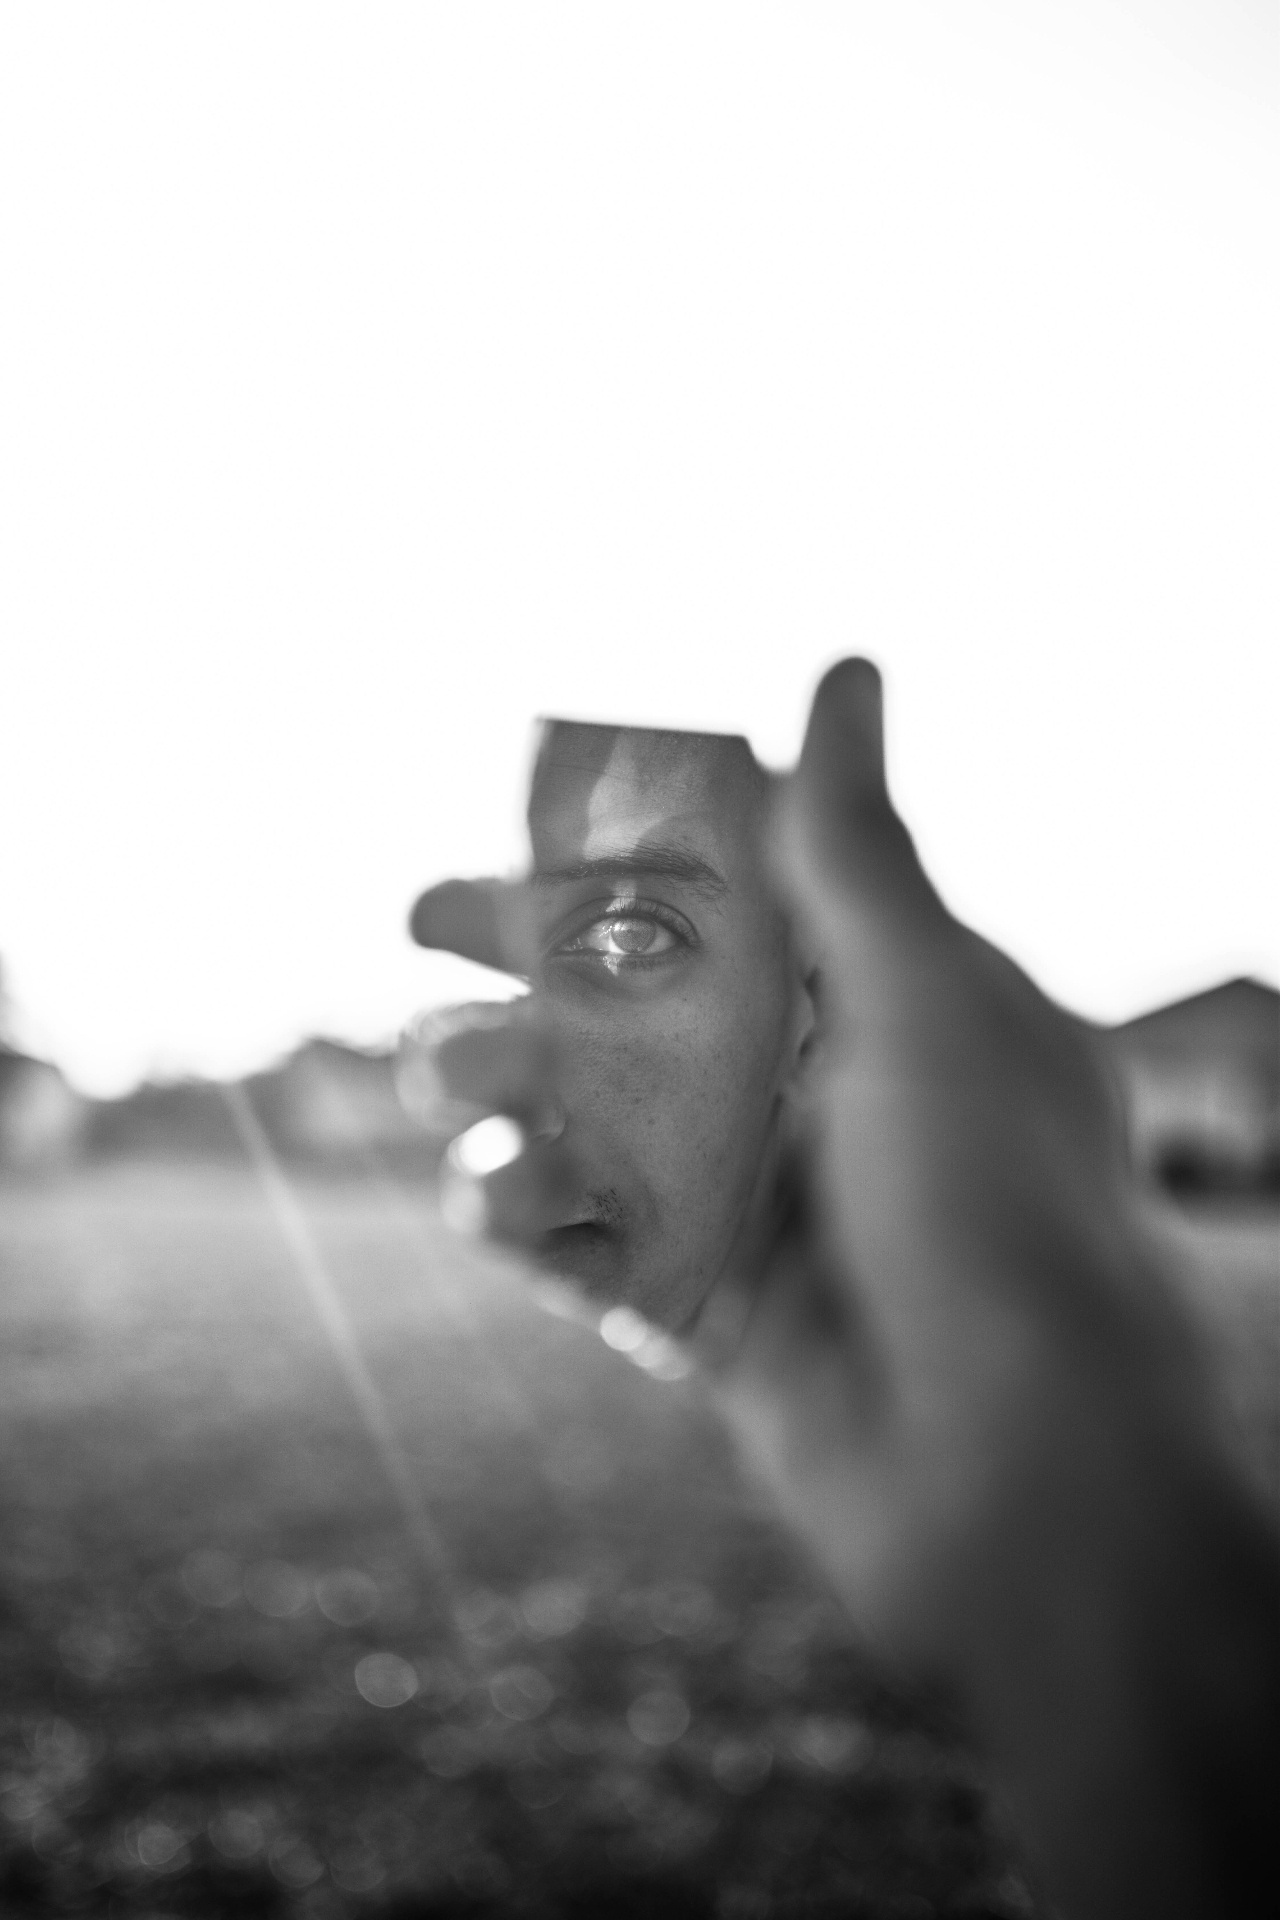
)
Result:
{"points": [[676, 1097]]}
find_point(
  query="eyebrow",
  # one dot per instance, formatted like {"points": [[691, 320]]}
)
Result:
{"points": [[648, 860]]}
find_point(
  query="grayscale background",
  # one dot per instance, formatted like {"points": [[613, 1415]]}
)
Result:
{"points": [[373, 380]]}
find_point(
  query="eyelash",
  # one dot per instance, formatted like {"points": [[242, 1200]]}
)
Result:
{"points": [[622, 908]]}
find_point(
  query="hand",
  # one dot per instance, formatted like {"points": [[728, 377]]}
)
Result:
{"points": [[963, 1373], [957, 1293], [480, 1079], [947, 1347]]}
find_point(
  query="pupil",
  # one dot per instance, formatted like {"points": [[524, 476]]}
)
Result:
{"points": [[633, 936]]}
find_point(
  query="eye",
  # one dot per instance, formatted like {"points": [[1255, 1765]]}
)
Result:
{"points": [[629, 934], [624, 935]]}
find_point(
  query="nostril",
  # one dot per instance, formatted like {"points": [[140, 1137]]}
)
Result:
{"points": [[549, 1122]]}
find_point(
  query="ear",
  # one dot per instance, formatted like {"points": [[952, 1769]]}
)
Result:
{"points": [[804, 1037]]}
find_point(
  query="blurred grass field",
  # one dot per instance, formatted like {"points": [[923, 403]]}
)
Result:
{"points": [[232, 1688]]}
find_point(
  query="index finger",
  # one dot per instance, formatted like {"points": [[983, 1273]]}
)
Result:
{"points": [[488, 921]]}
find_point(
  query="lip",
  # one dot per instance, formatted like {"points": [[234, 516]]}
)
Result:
{"points": [[586, 1252], [597, 1210]]}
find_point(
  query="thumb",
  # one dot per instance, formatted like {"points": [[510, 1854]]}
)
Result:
{"points": [[838, 844]]}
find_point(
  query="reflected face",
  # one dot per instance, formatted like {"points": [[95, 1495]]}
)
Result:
{"points": [[666, 976]]}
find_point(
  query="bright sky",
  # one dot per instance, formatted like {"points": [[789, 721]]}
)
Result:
{"points": [[373, 378]]}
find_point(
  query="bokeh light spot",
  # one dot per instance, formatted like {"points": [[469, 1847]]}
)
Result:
{"points": [[277, 1589], [487, 1618], [488, 1146], [156, 1844], [237, 1835], [385, 1679], [741, 1765], [831, 1742], [347, 1597], [658, 1717], [623, 1329], [521, 1693], [552, 1608]]}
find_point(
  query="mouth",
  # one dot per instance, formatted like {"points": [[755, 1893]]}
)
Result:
{"points": [[577, 1233], [598, 1211], [586, 1251]]}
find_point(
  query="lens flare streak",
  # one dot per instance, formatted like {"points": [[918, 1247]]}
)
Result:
{"points": [[321, 1291]]}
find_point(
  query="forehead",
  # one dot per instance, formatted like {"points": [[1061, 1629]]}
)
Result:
{"points": [[602, 790]]}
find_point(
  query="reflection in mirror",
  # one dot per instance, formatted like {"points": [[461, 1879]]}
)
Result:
{"points": [[672, 1011]]}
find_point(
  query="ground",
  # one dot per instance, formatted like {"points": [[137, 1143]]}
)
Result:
{"points": [[575, 1668]]}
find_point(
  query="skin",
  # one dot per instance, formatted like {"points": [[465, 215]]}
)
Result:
{"points": [[960, 1366], [666, 982], [943, 1339], [667, 1021]]}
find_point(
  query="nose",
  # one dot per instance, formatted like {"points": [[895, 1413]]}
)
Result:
{"points": [[549, 1121]]}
